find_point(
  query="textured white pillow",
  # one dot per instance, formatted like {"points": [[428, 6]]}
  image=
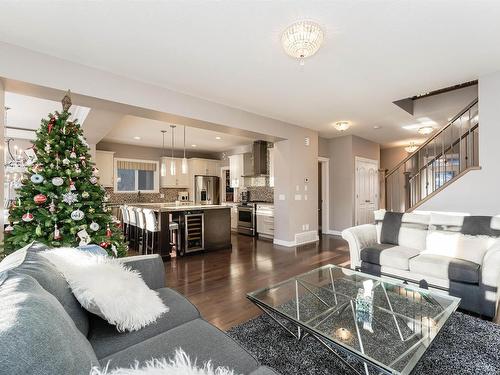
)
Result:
{"points": [[105, 287], [180, 365], [457, 245]]}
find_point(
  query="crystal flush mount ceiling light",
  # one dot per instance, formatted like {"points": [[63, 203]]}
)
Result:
{"points": [[411, 148], [425, 130], [342, 126], [302, 39]]}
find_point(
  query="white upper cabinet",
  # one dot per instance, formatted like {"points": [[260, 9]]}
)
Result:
{"points": [[178, 180], [236, 170], [104, 161]]}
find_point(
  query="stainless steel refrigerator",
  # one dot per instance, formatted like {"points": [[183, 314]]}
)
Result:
{"points": [[206, 190]]}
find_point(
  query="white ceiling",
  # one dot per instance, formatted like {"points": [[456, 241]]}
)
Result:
{"points": [[375, 52], [129, 127]]}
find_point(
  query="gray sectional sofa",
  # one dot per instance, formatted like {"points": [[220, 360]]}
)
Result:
{"points": [[451, 253], [45, 331]]}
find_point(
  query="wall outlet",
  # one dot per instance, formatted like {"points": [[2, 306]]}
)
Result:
{"points": [[281, 197], [298, 197]]}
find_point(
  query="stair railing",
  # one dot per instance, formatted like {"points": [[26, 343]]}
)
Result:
{"points": [[444, 157]]}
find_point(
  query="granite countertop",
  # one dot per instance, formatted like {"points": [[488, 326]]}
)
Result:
{"points": [[172, 207]]}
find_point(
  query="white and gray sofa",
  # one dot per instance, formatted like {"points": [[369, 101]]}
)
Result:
{"points": [[452, 253], [45, 331]]}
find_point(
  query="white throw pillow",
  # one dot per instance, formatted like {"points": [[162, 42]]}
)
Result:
{"points": [[457, 245], [105, 287], [180, 365]]}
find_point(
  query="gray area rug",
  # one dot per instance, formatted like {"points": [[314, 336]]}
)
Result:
{"points": [[465, 345]]}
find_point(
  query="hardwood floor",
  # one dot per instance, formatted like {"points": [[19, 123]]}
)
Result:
{"points": [[217, 282]]}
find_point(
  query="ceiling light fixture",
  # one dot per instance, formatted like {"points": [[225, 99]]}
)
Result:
{"points": [[163, 169], [218, 138], [302, 39], [172, 161], [137, 138], [342, 126], [411, 148], [184, 164], [193, 145], [425, 130]]}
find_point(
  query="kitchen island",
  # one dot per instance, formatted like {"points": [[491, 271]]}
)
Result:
{"points": [[214, 226]]}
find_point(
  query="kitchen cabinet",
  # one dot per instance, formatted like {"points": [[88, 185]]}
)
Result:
{"points": [[104, 161], [236, 170], [204, 167], [265, 220], [179, 180], [234, 217], [271, 166]]}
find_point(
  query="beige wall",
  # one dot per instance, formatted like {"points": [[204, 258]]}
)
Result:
{"points": [[390, 157], [342, 152]]}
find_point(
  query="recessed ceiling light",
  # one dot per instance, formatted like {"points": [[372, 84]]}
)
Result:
{"points": [[376, 127], [137, 138], [193, 145], [424, 130], [342, 125], [218, 138]]}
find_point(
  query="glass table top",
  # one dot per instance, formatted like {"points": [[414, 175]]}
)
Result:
{"points": [[391, 327]]}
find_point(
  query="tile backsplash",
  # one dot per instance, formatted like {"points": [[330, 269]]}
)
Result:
{"points": [[170, 196], [260, 193]]}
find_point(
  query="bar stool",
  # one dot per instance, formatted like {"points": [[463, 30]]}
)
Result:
{"points": [[152, 230], [125, 220], [132, 228], [140, 230]]}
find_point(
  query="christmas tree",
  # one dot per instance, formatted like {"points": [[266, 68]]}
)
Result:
{"points": [[60, 201]]}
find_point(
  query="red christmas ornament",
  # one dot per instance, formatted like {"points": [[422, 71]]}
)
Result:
{"points": [[51, 124], [27, 217], [40, 199], [71, 185], [104, 245], [108, 231]]}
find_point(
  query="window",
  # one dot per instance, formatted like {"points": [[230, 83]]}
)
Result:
{"points": [[136, 175]]}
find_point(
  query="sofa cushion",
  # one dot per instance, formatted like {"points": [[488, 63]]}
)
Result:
{"points": [[198, 339], [458, 245], [45, 273], [106, 340], [389, 255], [390, 228], [446, 268], [36, 334]]}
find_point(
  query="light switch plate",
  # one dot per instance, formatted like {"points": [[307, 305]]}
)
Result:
{"points": [[298, 197], [281, 197]]}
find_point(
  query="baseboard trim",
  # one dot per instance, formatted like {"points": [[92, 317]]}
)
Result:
{"points": [[293, 243], [333, 232], [284, 243]]}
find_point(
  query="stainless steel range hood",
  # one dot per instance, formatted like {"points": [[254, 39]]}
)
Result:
{"points": [[255, 163]]}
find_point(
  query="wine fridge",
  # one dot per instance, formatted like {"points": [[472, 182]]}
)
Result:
{"points": [[194, 232]]}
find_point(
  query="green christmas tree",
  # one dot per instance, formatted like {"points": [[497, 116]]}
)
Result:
{"points": [[61, 202]]}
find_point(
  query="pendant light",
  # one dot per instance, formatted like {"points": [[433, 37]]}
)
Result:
{"points": [[172, 161], [163, 169], [184, 165]]}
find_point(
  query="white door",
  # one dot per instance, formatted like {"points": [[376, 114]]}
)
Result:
{"points": [[366, 190]]}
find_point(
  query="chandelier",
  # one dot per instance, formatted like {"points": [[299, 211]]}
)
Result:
{"points": [[302, 39], [342, 126]]}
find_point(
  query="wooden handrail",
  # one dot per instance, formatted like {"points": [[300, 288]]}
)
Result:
{"points": [[468, 107]]}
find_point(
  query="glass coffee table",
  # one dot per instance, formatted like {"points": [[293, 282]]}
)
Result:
{"points": [[387, 329]]}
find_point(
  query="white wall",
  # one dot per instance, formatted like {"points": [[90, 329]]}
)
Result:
{"points": [[390, 157], [478, 191], [47, 71]]}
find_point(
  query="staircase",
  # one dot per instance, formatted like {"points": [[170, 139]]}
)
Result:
{"points": [[441, 160]]}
